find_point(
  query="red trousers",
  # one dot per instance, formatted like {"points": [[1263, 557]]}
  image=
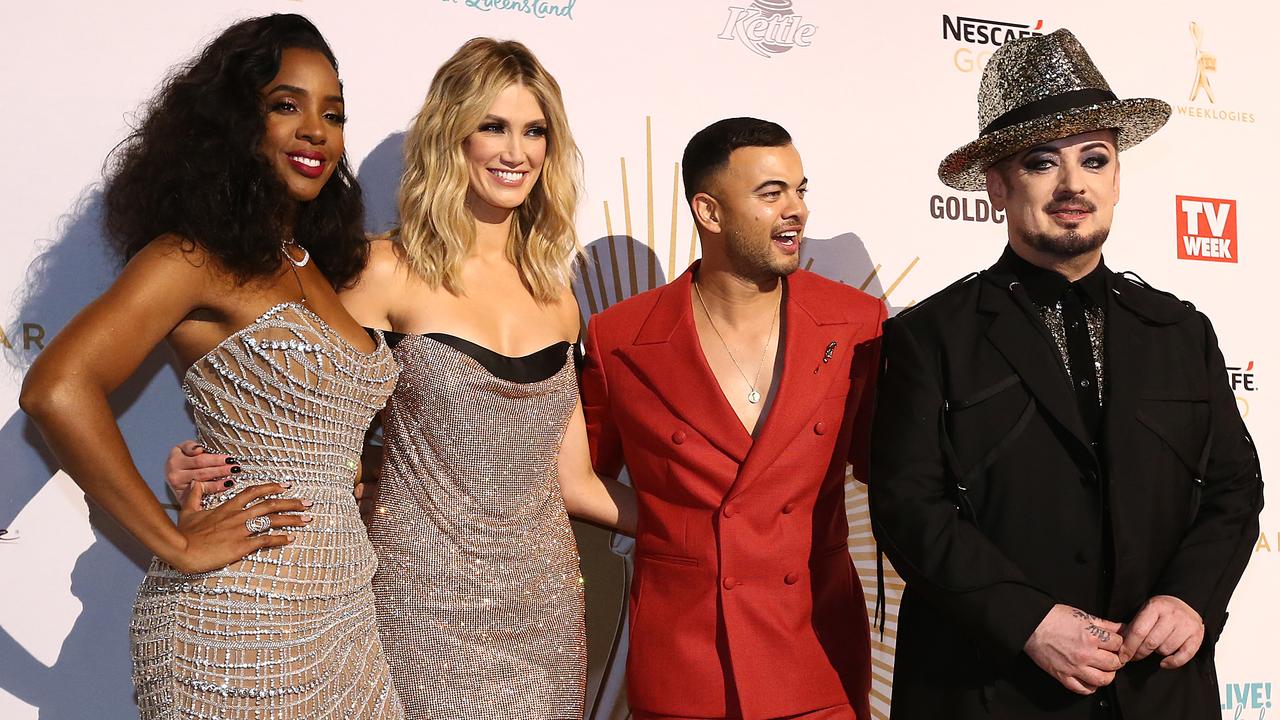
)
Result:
{"points": [[838, 712]]}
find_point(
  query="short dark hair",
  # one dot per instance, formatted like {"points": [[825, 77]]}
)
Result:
{"points": [[708, 152]]}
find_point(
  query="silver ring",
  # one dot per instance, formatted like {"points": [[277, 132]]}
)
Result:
{"points": [[257, 524]]}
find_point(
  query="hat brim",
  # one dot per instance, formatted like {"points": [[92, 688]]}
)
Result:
{"points": [[1134, 120]]}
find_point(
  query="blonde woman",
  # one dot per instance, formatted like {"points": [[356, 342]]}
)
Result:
{"points": [[478, 591]]}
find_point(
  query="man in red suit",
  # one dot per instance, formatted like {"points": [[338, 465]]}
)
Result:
{"points": [[735, 396]]}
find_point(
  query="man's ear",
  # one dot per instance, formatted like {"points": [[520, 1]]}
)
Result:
{"points": [[706, 212], [997, 188], [1117, 178]]}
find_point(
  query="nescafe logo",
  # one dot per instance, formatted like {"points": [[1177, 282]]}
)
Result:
{"points": [[964, 209]]}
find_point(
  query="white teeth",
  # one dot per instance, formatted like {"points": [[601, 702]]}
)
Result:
{"points": [[508, 176], [309, 162]]}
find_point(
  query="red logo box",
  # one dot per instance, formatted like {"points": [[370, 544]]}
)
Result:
{"points": [[1206, 229]]}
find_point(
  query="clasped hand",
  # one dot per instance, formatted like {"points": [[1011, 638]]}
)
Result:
{"points": [[1165, 625], [1083, 652], [1077, 649]]}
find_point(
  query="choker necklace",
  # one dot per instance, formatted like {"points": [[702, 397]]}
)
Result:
{"points": [[753, 396], [306, 254]]}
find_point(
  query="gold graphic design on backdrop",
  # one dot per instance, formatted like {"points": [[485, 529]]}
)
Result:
{"points": [[1205, 64], [862, 548], [1201, 87], [622, 252]]}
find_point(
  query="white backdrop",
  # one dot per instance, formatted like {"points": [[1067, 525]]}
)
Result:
{"points": [[874, 94]]}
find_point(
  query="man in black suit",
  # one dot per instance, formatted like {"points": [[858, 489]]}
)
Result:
{"points": [[1059, 470]]}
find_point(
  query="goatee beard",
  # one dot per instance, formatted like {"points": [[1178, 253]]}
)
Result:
{"points": [[755, 262], [1068, 245]]}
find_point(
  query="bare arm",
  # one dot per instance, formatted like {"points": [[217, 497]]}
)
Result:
{"points": [[587, 496], [373, 301], [66, 390]]}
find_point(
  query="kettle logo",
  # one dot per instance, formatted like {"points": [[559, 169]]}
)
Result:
{"points": [[1205, 64], [1207, 229], [767, 27]]}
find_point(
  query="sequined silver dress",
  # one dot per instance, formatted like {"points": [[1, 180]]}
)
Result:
{"points": [[286, 633], [479, 589]]}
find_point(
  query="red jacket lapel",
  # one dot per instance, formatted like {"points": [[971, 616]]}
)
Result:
{"points": [[810, 330], [667, 356]]}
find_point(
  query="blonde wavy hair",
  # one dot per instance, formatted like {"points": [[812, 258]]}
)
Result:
{"points": [[436, 229]]}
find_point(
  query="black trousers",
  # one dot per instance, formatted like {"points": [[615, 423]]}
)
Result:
{"points": [[1105, 706]]}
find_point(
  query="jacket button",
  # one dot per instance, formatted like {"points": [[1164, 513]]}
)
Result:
{"points": [[791, 578], [730, 510], [1081, 557], [788, 508], [677, 437], [820, 428], [730, 583]]}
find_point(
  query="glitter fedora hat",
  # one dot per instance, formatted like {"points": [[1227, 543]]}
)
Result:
{"points": [[1041, 88]]}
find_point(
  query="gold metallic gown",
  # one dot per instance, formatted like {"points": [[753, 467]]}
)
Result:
{"points": [[479, 590], [286, 633]]}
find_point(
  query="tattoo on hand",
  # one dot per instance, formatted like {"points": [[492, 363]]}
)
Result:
{"points": [[1099, 633]]}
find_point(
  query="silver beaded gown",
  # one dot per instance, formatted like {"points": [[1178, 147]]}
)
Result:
{"points": [[479, 588], [286, 633]]}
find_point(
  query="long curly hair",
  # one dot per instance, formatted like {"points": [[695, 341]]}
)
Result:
{"points": [[436, 229], [192, 166]]}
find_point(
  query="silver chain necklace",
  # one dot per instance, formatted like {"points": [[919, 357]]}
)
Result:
{"points": [[753, 396]]}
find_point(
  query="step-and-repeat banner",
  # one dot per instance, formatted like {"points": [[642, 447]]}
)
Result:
{"points": [[875, 95]]}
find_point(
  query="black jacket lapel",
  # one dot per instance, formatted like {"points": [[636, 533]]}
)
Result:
{"points": [[1018, 335]]}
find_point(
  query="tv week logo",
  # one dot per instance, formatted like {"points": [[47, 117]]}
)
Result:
{"points": [[1207, 229]]}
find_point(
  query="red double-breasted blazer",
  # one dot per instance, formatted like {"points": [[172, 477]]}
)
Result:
{"points": [[744, 602]]}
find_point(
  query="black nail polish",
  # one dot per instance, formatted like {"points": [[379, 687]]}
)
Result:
{"points": [[232, 461], [235, 469], [229, 483]]}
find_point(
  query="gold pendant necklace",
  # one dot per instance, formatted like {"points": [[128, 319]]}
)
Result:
{"points": [[753, 396]]}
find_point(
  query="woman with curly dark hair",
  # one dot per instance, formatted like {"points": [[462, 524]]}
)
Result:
{"points": [[239, 216]]}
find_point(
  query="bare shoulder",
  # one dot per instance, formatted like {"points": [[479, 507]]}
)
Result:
{"points": [[177, 263], [176, 250], [569, 315], [373, 297], [387, 269], [386, 258]]}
